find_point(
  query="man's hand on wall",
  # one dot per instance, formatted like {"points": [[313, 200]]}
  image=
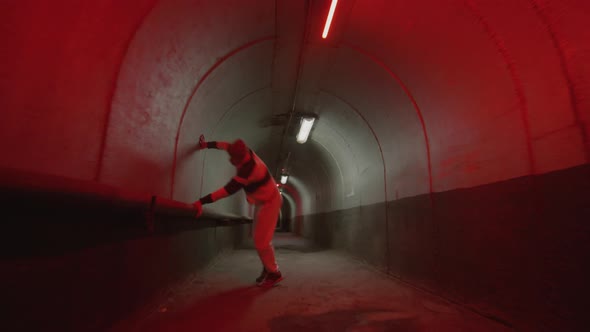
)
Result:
{"points": [[202, 142]]}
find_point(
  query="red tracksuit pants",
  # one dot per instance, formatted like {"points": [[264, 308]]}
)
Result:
{"points": [[265, 223]]}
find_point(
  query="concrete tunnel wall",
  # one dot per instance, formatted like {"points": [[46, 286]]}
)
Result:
{"points": [[451, 148]]}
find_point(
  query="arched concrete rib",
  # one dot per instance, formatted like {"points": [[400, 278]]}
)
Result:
{"points": [[567, 74], [408, 93], [352, 107], [516, 80], [229, 109], [196, 88], [107, 120]]}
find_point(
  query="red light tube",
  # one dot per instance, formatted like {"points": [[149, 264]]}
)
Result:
{"points": [[329, 19]]}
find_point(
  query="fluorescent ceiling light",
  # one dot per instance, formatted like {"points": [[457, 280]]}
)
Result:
{"points": [[284, 179], [329, 19], [306, 124]]}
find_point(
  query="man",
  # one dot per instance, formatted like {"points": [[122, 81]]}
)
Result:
{"points": [[261, 190]]}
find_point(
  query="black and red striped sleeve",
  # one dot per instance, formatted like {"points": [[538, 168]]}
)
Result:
{"points": [[218, 145]]}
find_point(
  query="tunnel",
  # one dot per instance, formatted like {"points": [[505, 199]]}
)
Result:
{"points": [[443, 185]]}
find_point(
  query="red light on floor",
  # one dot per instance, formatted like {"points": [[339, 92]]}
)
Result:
{"points": [[329, 19]]}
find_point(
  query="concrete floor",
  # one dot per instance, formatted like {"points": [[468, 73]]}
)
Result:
{"points": [[322, 291]]}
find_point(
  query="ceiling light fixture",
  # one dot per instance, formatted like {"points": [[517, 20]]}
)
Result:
{"points": [[329, 19], [306, 124], [284, 179]]}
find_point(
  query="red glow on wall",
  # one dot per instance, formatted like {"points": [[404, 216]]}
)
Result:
{"points": [[329, 19]]}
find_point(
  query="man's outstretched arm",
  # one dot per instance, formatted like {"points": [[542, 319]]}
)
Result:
{"points": [[213, 144], [218, 145], [230, 188]]}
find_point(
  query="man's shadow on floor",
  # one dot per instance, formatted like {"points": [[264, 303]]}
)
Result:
{"points": [[217, 312]]}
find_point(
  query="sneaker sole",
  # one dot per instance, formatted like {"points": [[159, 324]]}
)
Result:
{"points": [[274, 283]]}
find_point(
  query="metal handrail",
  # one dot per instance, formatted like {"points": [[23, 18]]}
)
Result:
{"points": [[12, 180]]}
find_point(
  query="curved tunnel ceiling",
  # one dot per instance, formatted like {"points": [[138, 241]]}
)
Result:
{"points": [[412, 96]]}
